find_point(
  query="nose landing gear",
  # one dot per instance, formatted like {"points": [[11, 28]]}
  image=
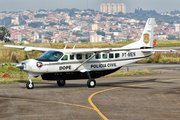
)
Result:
{"points": [[30, 84]]}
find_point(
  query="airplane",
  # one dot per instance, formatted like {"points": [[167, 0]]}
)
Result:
{"points": [[90, 63]]}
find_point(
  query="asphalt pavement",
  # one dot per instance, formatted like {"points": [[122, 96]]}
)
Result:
{"points": [[150, 97]]}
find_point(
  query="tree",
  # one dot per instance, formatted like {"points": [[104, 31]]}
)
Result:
{"points": [[77, 34], [40, 15], [35, 24], [25, 17], [171, 37], [90, 21], [101, 33], [23, 22], [110, 30], [103, 19], [71, 13], [24, 39], [52, 23], [6, 21], [4, 34]]}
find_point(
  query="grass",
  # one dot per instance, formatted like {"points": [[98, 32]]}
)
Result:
{"points": [[17, 76], [130, 73], [160, 57], [167, 43], [20, 55]]}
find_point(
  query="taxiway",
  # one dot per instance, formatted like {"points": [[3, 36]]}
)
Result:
{"points": [[152, 96]]}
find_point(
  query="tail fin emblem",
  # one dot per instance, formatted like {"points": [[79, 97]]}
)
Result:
{"points": [[146, 38]]}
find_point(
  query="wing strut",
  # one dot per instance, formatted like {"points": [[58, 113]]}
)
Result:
{"points": [[94, 54]]}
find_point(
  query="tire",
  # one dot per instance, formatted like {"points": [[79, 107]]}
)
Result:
{"points": [[61, 82], [29, 86], [91, 83]]}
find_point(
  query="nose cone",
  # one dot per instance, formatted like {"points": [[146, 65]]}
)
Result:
{"points": [[20, 65]]}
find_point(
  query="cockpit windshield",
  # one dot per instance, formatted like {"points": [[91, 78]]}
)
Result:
{"points": [[52, 55]]}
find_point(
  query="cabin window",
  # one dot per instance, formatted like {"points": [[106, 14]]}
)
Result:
{"points": [[111, 55], [104, 56], [71, 57], [52, 55], [88, 56], [117, 55], [98, 56], [79, 56], [65, 57]]}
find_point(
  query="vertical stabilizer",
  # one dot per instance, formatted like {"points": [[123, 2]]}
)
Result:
{"points": [[147, 36]]}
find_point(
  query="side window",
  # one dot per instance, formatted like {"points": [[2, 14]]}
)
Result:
{"points": [[117, 55], [88, 56], [104, 56], [65, 57], [98, 56], [71, 57], [79, 56], [111, 55]]}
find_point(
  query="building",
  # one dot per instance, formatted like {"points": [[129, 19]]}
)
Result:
{"points": [[15, 21], [95, 38], [103, 8], [94, 27], [113, 8], [36, 36], [13, 36], [123, 8], [19, 37], [177, 27]]}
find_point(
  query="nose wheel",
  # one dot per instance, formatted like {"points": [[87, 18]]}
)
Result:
{"points": [[30, 84]]}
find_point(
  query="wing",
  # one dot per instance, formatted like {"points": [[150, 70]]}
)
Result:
{"points": [[95, 50], [151, 50], [29, 48], [73, 51]]}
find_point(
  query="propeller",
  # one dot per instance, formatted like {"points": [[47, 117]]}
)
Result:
{"points": [[13, 58], [19, 65]]}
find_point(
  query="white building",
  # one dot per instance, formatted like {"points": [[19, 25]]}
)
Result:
{"points": [[95, 38], [36, 36], [113, 8], [177, 27], [19, 37], [15, 21], [94, 27]]}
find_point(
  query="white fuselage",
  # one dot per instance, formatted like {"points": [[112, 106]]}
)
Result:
{"points": [[105, 61]]}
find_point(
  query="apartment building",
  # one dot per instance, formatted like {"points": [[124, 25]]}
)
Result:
{"points": [[113, 8]]}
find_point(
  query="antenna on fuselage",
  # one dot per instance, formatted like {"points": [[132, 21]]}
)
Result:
{"points": [[65, 46], [74, 46]]}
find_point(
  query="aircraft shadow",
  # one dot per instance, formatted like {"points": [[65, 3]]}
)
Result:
{"points": [[107, 84]]}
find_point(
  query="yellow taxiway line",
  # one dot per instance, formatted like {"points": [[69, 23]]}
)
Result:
{"points": [[90, 97], [100, 113], [47, 102]]}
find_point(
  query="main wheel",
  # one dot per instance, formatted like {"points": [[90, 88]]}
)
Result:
{"points": [[61, 82], [91, 83], [29, 85]]}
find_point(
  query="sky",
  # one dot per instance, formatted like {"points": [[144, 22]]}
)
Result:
{"points": [[35, 5]]}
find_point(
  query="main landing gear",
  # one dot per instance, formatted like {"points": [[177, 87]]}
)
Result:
{"points": [[30, 84], [91, 82], [61, 82]]}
